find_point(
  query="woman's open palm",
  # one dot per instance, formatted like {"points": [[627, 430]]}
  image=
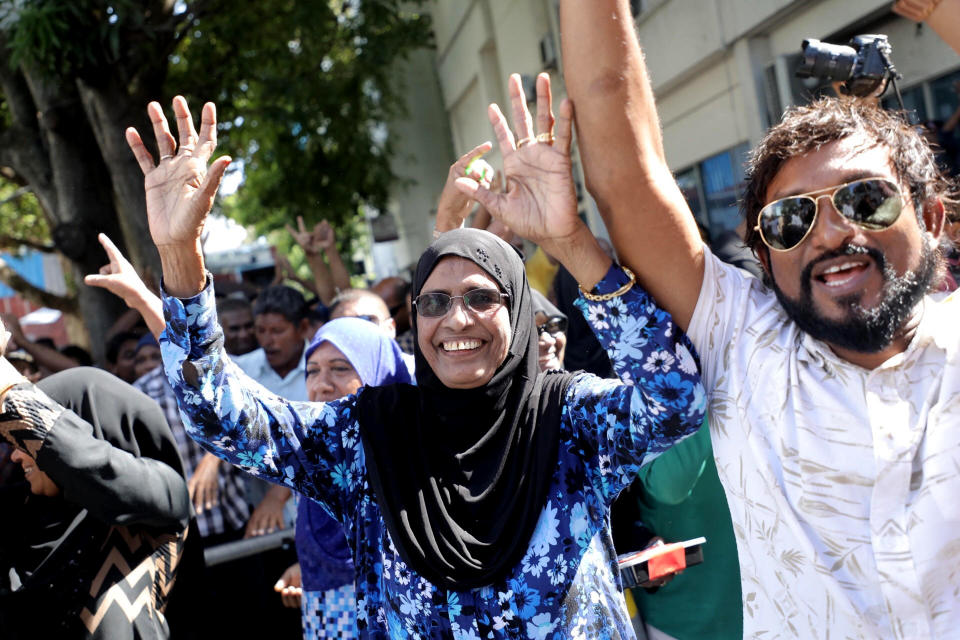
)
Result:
{"points": [[180, 188], [540, 201]]}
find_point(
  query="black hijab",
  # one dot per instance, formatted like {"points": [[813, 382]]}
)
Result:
{"points": [[121, 415], [461, 475]]}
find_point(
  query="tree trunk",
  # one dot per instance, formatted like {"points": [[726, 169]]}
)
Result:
{"points": [[83, 193], [110, 109]]}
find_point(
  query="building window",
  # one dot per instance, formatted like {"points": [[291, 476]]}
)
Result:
{"points": [[713, 189], [932, 104]]}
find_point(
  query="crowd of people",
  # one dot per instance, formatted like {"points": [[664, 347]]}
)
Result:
{"points": [[466, 454]]}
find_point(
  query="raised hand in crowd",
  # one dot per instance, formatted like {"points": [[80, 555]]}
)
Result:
{"points": [[316, 243], [180, 189], [454, 205], [47, 358], [540, 201], [120, 278]]}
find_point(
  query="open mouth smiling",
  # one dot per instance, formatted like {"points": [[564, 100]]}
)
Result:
{"points": [[469, 344]]}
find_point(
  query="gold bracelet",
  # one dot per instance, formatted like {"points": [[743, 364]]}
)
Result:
{"points": [[610, 296]]}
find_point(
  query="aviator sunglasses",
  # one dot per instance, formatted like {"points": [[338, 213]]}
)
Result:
{"points": [[437, 304], [872, 203]]}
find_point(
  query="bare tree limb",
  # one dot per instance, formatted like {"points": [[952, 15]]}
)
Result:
{"points": [[35, 294], [13, 242]]}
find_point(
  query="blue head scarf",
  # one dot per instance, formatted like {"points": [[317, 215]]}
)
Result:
{"points": [[375, 356], [326, 561]]}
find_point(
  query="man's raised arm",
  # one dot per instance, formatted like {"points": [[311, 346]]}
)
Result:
{"points": [[622, 151]]}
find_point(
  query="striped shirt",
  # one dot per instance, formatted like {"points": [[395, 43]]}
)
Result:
{"points": [[231, 511]]}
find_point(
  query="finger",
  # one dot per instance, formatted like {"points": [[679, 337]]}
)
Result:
{"points": [[279, 585], [522, 122], [489, 200], [501, 130], [291, 230], [461, 164], [207, 142], [104, 282], [214, 175], [300, 223], [544, 104], [564, 133], [116, 258], [165, 142], [188, 135], [144, 159]]}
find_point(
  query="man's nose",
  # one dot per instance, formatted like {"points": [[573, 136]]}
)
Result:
{"points": [[832, 229]]}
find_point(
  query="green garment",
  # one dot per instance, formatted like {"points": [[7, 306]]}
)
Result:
{"points": [[681, 498]]}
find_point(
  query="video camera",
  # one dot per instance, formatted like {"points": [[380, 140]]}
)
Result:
{"points": [[865, 67]]}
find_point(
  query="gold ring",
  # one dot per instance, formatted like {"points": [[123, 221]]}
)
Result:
{"points": [[546, 138], [525, 141]]}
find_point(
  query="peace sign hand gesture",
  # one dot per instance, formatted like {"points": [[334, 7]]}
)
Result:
{"points": [[180, 188]]}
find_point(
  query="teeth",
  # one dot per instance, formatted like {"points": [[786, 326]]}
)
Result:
{"points": [[461, 345], [842, 267]]}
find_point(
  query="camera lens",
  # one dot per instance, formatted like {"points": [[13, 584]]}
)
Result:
{"points": [[831, 62]]}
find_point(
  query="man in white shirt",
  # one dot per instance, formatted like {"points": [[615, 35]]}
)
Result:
{"points": [[834, 387], [279, 322]]}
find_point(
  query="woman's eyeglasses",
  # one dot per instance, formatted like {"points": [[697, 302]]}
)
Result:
{"points": [[872, 203], [553, 325], [435, 305]]}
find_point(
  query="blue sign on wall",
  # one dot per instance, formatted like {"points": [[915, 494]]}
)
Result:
{"points": [[29, 265]]}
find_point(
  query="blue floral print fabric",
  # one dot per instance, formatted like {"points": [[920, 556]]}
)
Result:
{"points": [[567, 585]]}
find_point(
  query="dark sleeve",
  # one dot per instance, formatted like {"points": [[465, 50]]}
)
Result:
{"points": [[113, 485]]}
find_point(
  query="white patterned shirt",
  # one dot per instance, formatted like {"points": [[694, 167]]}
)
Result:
{"points": [[843, 483]]}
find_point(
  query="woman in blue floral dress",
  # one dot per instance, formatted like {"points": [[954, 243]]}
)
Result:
{"points": [[476, 503]]}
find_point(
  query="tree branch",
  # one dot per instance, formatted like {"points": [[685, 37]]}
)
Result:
{"points": [[19, 193], [13, 242], [35, 294]]}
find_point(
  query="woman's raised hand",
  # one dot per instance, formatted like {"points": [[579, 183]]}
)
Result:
{"points": [[180, 186], [540, 202]]}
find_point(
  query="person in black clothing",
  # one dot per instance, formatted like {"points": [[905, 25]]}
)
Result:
{"points": [[93, 540]]}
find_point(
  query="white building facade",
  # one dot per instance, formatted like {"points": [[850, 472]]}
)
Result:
{"points": [[722, 72]]}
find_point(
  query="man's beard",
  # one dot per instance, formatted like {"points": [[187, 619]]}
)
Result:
{"points": [[864, 330]]}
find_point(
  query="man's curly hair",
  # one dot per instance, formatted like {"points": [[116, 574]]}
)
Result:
{"points": [[807, 128]]}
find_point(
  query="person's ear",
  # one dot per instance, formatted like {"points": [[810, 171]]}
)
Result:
{"points": [[934, 216], [763, 256], [390, 326], [303, 327]]}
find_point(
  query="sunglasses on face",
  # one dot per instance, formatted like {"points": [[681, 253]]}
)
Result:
{"points": [[553, 326], [435, 305], [872, 203]]}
